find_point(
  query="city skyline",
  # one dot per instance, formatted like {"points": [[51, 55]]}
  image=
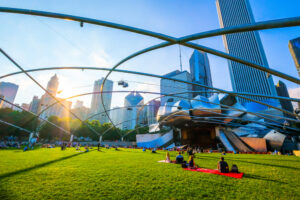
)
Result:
{"points": [[166, 61], [153, 88]]}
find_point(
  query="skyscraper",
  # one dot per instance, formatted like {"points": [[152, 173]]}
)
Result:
{"points": [[47, 100], [246, 45], [116, 115], [53, 85], [80, 110], [9, 91], [25, 106], [283, 92], [34, 105], [294, 46], [152, 109], [133, 101], [96, 105], [78, 104], [170, 86], [200, 72]]}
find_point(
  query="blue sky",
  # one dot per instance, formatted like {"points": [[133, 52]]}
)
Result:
{"points": [[43, 42]]}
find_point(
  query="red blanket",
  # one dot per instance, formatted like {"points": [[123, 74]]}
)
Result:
{"points": [[213, 171]]}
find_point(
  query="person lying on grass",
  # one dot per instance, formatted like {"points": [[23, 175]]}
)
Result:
{"points": [[223, 166]]}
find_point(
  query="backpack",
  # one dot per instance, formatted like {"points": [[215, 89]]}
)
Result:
{"points": [[234, 169], [183, 165]]}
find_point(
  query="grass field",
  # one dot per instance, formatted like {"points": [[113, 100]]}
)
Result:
{"points": [[133, 174]]}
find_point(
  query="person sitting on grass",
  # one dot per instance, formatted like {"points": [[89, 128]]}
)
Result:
{"points": [[179, 158], [154, 150], [86, 148], [168, 160], [77, 146], [223, 166], [191, 163]]}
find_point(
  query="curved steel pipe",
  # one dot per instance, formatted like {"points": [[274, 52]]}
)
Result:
{"points": [[87, 20], [143, 74], [288, 22]]}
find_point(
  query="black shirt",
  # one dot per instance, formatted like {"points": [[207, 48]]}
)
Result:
{"points": [[223, 166]]}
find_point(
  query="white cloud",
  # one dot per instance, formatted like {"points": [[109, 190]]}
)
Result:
{"points": [[295, 93], [101, 59], [147, 87]]}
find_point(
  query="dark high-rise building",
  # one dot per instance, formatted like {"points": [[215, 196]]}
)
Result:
{"points": [[283, 92], [200, 72], [246, 45], [294, 46]]}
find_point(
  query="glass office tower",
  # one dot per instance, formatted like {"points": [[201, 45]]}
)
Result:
{"points": [[200, 72], [294, 46], [246, 45]]}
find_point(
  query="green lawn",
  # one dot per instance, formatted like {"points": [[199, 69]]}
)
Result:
{"points": [[133, 174]]}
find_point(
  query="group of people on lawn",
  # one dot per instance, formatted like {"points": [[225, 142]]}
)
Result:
{"points": [[222, 165]]}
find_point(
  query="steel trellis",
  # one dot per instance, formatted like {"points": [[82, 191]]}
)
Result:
{"points": [[288, 22], [256, 26], [145, 74]]}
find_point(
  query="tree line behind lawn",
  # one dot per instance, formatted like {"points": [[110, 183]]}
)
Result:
{"points": [[49, 133]]}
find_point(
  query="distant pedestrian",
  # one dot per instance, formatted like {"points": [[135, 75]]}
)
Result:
{"points": [[25, 148]]}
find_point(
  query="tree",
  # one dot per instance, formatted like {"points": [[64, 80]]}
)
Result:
{"points": [[131, 134], [19, 119], [50, 133]]}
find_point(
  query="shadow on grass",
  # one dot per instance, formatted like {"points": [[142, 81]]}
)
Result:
{"points": [[256, 177], [263, 159], [6, 175], [4, 193], [256, 163]]}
